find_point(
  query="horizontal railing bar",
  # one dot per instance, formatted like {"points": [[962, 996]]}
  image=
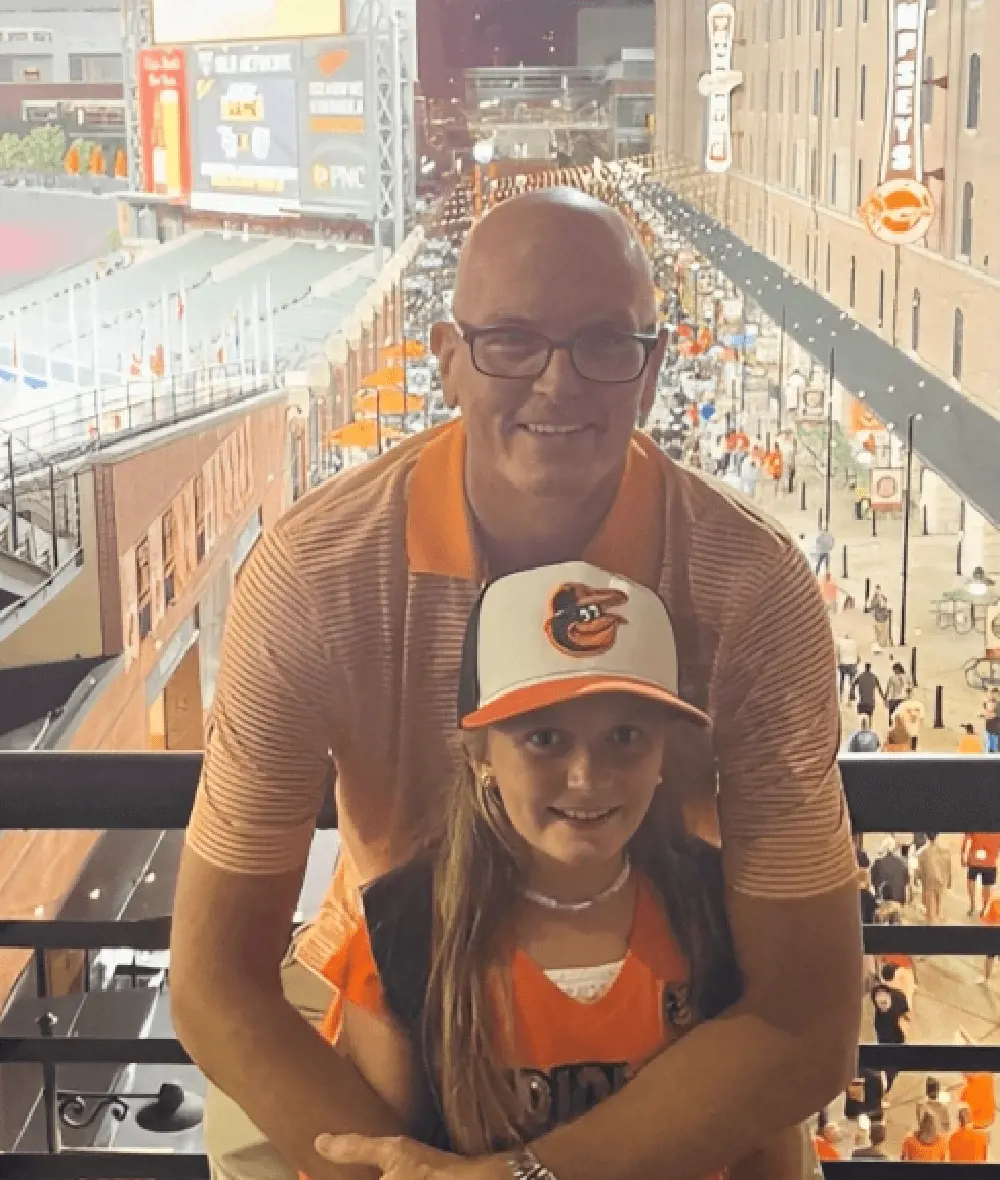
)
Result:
{"points": [[103, 1165], [923, 1058], [153, 934], [916, 1058], [135, 1165], [39, 1050], [110, 790], [143, 934], [885, 792]]}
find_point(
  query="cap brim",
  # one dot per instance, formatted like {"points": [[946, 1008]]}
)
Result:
{"points": [[527, 699]]}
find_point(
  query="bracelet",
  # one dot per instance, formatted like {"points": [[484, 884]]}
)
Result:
{"points": [[525, 1165]]}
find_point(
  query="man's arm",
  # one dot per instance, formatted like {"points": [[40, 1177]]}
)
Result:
{"points": [[780, 1054], [266, 768]]}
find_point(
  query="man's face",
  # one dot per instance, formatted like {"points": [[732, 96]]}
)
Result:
{"points": [[558, 434]]}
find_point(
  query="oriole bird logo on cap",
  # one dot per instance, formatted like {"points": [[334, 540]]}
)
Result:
{"points": [[581, 620]]}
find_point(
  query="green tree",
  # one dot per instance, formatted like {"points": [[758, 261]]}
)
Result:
{"points": [[46, 149]]}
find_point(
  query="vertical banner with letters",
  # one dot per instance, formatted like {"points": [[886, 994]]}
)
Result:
{"points": [[718, 86], [163, 122], [337, 125], [900, 209]]}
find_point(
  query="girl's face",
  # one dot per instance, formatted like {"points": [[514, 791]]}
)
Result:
{"points": [[577, 778]]}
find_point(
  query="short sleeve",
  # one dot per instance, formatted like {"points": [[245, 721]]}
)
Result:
{"points": [[776, 716], [353, 972], [267, 761]]}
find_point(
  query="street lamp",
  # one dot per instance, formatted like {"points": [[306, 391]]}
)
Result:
{"points": [[910, 420], [979, 584]]}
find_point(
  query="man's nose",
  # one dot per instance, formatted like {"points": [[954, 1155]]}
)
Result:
{"points": [[559, 375]]}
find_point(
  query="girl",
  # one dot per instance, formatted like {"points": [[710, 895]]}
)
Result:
{"points": [[558, 935]]}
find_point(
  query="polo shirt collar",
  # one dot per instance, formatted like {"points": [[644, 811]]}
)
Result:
{"points": [[440, 539]]}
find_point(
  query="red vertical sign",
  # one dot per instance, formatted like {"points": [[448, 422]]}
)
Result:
{"points": [[163, 114]]}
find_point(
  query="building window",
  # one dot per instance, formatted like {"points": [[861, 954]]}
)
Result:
{"points": [[852, 286], [806, 260], [928, 91], [813, 174], [795, 94], [774, 237], [965, 237], [958, 344], [833, 179], [862, 93], [817, 92], [829, 261], [169, 557], [972, 108], [864, 12], [788, 252], [915, 321], [750, 90], [798, 16], [860, 190], [781, 94], [840, 14], [199, 515], [836, 93], [820, 6], [881, 298], [781, 179], [95, 68], [143, 588]]}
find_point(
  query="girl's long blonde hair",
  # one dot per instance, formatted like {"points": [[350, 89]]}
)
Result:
{"points": [[478, 878]]}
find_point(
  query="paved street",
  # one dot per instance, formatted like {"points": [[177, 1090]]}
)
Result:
{"points": [[961, 444]]}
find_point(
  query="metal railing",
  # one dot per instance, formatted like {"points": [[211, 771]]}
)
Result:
{"points": [[885, 793], [96, 418]]}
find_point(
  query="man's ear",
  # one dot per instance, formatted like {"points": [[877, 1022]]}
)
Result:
{"points": [[445, 342]]}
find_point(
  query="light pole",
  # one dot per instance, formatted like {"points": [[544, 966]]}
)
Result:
{"points": [[910, 419], [829, 442], [781, 367]]}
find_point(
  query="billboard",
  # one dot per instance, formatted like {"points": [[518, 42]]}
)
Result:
{"points": [[244, 128], [187, 22], [163, 122], [336, 126], [718, 85]]}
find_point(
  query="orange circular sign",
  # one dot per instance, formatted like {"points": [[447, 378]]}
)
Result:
{"points": [[899, 211]]}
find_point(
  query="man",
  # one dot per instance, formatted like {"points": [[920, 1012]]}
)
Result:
{"points": [[980, 852], [932, 1102], [875, 1149], [864, 740], [890, 873], [847, 662], [343, 648], [934, 877], [967, 1144], [864, 689]]}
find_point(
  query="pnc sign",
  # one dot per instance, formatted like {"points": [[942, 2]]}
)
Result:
{"points": [[900, 209], [718, 85]]}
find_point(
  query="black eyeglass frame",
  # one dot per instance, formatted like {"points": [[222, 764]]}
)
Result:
{"points": [[470, 333]]}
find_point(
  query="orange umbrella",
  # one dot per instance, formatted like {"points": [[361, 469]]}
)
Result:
{"points": [[413, 350], [363, 435], [390, 376], [389, 401]]}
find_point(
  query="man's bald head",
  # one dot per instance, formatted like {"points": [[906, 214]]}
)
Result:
{"points": [[554, 229]]}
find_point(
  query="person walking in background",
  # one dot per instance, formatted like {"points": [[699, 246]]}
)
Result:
{"points": [[991, 721], [910, 713], [896, 689], [847, 662], [932, 1102], [979, 858], [828, 1135], [878, 608], [890, 874], [875, 1149], [892, 1020], [864, 740], [864, 690], [824, 546], [933, 875], [897, 740], [828, 588], [967, 1144], [926, 1144]]}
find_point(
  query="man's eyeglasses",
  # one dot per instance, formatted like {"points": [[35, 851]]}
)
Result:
{"points": [[599, 354]]}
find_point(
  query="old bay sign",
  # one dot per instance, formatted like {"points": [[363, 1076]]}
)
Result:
{"points": [[900, 209], [718, 85]]}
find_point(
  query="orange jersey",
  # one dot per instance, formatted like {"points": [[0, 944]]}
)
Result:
{"points": [[968, 1146], [934, 1153], [567, 1055], [979, 1096]]}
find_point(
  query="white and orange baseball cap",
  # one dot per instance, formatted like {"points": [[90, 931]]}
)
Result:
{"points": [[559, 632]]}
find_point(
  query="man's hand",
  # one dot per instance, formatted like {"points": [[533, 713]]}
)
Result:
{"points": [[398, 1158]]}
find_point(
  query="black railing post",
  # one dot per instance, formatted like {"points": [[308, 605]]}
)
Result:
{"points": [[802, 495], [50, 1091], [844, 562], [76, 510], [13, 494], [939, 707], [913, 665], [54, 563]]}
